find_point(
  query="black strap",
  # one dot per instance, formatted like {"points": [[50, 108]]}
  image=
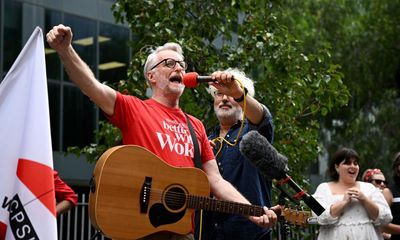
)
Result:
{"points": [[196, 158]]}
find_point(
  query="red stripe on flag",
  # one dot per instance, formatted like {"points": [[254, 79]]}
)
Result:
{"points": [[39, 179], [3, 230]]}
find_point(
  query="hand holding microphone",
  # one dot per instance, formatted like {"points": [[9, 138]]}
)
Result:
{"points": [[224, 82]]}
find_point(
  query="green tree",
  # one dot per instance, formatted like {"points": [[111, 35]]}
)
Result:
{"points": [[365, 37]]}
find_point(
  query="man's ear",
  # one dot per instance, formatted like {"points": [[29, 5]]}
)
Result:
{"points": [[150, 77]]}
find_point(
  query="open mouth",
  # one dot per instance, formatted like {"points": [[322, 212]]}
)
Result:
{"points": [[176, 78], [225, 106], [352, 172]]}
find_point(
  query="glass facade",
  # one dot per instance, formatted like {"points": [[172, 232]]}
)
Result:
{"points": [[12, 34], [114, 53], [100, 42]]}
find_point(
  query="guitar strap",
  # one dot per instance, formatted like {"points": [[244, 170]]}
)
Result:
{"points": [[197, 163], [196, 158]]}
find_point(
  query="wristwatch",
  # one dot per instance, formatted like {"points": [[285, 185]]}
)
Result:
{"points": [[241, 97]]}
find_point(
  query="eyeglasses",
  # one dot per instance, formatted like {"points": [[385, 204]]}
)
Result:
{"points": [[169, 62], [217, 94], [378, 181]]}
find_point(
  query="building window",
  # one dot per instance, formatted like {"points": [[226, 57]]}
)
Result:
{"points": [[53, 63], [12, 32], [53, 71], [54, 92], [78, 118], [113, 53], [79, 113]]}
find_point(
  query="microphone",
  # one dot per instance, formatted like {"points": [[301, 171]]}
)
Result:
{"points": [[273, 165], [193, 79], [263, 155]]}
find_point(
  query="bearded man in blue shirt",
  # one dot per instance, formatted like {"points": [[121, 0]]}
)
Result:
{"points": [[238, 112]]}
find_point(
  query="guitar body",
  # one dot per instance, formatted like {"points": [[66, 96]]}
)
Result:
{"points": [[135, 194]]}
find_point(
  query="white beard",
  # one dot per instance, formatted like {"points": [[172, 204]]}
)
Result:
{"points": [[228, 115]]}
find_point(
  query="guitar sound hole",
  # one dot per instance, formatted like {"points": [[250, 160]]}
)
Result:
{"points": [[175, 198]]}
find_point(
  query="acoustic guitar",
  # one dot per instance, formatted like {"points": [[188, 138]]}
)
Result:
{"points": [[135, 194]]}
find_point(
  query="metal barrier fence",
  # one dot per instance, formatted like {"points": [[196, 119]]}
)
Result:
{"points": [[75, 225]]}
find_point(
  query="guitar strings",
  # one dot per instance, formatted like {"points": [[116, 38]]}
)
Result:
{"points": [[178, 199]]}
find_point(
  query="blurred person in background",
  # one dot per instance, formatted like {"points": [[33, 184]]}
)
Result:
{"points": [[394, 226], [377, 178]]}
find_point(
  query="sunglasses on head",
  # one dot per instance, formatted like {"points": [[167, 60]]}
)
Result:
{"points": [[378, 181]]}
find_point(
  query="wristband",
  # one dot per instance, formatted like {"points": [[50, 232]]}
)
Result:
{"points": [[241, 97]]}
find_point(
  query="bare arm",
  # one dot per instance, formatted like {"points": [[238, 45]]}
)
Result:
{"points": [[225, 191], [338, 207], [391, 228], [388, 196], [63, 207], [60, 38]]}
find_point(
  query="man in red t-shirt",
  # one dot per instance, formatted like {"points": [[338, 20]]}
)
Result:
{"points": [[158, 123]]}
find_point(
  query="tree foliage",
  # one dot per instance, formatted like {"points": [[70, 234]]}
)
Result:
{"points": [[299, 85], [364, 35]]}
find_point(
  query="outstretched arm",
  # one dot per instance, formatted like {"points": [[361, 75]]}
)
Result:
{"points": [[60, 38]]}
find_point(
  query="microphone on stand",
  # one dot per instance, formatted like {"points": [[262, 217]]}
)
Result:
{"points": [[273, 165]]}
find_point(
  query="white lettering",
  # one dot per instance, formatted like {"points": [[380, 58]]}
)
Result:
{"points": [[181, 138], [19, 217], [189, 150], [179, 148], [164, 143], [21, 232], [175, 127]]}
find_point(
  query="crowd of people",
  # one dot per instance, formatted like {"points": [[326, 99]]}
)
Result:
{"points": [[353, 209]]}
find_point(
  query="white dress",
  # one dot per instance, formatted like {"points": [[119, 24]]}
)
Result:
{"points": [[354, 223]]}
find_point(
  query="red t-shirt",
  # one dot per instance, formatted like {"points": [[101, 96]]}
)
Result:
{"points": [[160, 129], [63, 191]]}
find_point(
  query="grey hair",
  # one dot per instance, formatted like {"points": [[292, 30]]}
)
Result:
{"points": [[241, 77], [152, 58]]}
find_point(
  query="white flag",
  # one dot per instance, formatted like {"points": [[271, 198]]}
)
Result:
{"points": [[27, 197]]}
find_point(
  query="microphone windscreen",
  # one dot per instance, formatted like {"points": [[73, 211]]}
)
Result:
{"points": [[263, 155], [190, 79]]}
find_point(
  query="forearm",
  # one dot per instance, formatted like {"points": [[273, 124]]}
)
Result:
{"points": [[337, 208], [372, 208], [80, 73], [223, 190], [77, 70], [63, 207], [253, 110], [391, 228]]}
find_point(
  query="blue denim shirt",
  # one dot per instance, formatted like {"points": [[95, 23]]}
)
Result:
{"points": [[245, 177]]}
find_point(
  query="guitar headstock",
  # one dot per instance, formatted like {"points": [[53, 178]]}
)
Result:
{"points": [[296, 216]]}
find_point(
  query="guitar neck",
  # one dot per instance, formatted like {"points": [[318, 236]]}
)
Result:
{"points": [[211, 204]]}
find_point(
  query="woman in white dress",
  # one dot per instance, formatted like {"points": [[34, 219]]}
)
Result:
{"points": [[354, 209]]}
